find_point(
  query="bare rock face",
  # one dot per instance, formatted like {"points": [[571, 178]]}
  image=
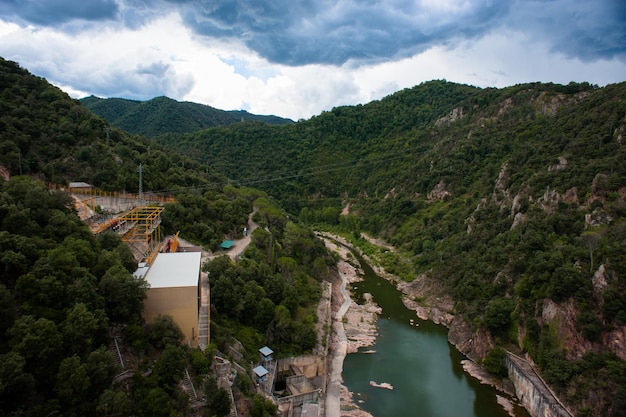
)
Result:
{"points": [[516, 205], [473, 344], [4, 173], [439, 192], [427, 298], [571, 195], [562, 318], [549, 104], [501, 195], [560, 166], [550, 200], [455, 114], [597, 217], [616, 342], [599, 280], [520, 218]]}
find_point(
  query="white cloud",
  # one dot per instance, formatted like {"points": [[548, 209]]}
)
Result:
{"points": [[164, 57]]}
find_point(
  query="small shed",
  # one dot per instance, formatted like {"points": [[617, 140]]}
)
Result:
{"points": [[266, 354], [78, 186], [227, 244], [260, 373]]}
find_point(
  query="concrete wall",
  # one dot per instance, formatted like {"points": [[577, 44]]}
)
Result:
{"points": [[179, 302], [296, 400], [310, 365], [299, 384], [532, 391]]}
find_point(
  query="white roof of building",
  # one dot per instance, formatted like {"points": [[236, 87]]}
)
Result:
{"points": [[260, 371], [178, 269], [266, 351], [142, 270], [79, 184]]}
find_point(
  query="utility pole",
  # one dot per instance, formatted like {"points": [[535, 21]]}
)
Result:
{"points": [[140, 185]]}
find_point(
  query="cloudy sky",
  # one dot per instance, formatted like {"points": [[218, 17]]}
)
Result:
{"points": [[297, 58]]}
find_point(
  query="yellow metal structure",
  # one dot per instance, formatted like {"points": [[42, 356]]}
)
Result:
{"points": [[174, 246], [143, 226]]}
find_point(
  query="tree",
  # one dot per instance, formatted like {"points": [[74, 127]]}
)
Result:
{"points": [[217, 399], [123, 294], [591, 239], [155, 403], [264, 314], [164, 331], [101, 370], [498, 315], [170, 366], [282, 325], [494, 362], [7, 309], [114, 404], [16, 385], [40, 343], [262, 407], [82, 329], [73, 387]]}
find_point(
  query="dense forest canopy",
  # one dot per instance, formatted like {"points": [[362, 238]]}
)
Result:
{"points": [[512, 200], [65, 293], [163, 115]]}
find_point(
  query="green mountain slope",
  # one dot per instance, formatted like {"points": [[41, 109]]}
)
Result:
{"points": [[65, 293], [163, 115], [511, 201]]}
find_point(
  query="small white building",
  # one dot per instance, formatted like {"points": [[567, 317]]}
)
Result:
{"points": [[260, 373], [174, 280], [79, 186]]}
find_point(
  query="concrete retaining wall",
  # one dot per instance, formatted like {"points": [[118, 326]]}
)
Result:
{"points": [[532, 391]]}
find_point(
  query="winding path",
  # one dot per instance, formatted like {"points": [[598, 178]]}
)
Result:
{"points": [[240, 245]]}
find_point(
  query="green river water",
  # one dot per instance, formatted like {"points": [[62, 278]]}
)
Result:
{"points": [[416, 359]]}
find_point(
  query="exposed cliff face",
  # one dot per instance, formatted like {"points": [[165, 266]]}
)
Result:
{"points": [[4, 173], [475, 344], [439, 192], [427, 298], [562, 318], [433, 305]]}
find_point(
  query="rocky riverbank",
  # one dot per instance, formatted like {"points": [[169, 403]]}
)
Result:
{"points": [[354, 327], [424, 297]]}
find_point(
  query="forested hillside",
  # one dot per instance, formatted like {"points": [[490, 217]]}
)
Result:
{"points": [[163, 115], [65, 294], [512, 201]]}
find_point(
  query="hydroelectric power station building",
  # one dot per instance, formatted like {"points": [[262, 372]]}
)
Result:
{"points": [[175, 289]]}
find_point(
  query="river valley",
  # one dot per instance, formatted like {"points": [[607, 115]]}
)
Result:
{"points": [[412, 370]]}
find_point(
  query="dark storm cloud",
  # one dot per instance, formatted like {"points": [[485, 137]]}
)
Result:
{"points": [[587, 30], [334, 32], [293, 32], [57, 12]]}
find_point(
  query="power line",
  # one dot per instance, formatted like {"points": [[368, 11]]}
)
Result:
{"points": [[308, 172]]}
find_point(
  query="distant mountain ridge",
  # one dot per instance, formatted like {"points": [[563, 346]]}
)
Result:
{"points": [[510, 202], [162, 115]]}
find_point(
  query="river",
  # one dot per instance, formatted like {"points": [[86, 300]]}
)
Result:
{"points": [[415, 357]]}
